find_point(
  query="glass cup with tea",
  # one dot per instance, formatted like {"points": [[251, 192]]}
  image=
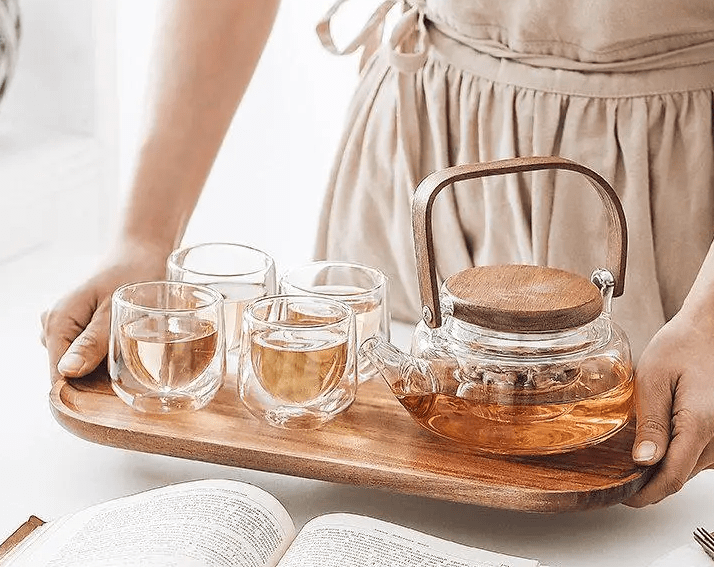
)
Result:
{"points": [[167, 345], [362, 287], [238, 272], [298, 360]]}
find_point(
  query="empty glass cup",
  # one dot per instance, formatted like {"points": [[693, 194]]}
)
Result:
{"points": [[240, 273], [167, 345], [298, 360], [363, 288]]}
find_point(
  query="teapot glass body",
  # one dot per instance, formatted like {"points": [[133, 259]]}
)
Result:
{"points": [[521, 393]]}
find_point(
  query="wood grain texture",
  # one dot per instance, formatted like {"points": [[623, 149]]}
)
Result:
{"points": [[520, 298], [19, 534], [374, 443], [430, 187]]}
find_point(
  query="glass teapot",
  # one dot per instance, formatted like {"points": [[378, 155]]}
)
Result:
{"points": [[514, 359]]}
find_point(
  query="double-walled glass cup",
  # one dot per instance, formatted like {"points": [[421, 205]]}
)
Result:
{"points": [[298, 360], [167, 345], [240, 273], [362, 287]]}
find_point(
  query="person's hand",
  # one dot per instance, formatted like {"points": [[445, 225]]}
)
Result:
{"points": [[76, 330], [674, 393]]}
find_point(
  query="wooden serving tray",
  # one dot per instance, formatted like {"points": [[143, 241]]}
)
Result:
{"points": [[374, 443]]}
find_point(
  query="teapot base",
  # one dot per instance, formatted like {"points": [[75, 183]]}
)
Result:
{"points": [[523, 430]]}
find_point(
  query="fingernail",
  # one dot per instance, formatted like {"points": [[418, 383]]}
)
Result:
{"points": [[645, 451], [70, 363]]}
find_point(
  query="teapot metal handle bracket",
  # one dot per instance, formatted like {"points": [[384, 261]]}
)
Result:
{"points": [[433, 183]]}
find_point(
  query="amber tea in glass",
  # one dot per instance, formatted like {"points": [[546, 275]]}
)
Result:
{"points": [[166, 350], [240, 273], [362, 287], [169, 353], [298, 359]]}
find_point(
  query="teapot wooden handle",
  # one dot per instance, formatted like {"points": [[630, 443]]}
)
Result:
{"points": [[432, 185]]}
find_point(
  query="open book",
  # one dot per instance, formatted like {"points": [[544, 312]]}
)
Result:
{"points": [[226, 523]]}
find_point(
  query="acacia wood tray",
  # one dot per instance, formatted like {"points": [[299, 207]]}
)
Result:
{"points": [[374, 443]]}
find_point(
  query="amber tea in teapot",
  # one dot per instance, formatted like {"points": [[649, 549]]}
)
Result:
{"points": [[529, 422], [514, 359]]}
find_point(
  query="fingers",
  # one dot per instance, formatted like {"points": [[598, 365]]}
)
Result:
{"points": [[76, 331], [653, 404], [679, 464], [63, 324], [689, 451], [675, 408], [89, 348]]}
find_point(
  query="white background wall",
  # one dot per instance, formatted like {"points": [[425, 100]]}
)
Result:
{"points": [[58, 146], [267, 184], [53, 84]]}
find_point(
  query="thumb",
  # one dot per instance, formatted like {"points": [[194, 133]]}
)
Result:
{"points": [[653, 405], [89, 348]]}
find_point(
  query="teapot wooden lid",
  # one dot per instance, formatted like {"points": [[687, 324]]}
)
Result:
{"points": [[523, 298]]}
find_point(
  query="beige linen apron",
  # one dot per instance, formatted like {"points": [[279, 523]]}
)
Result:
{"points": [[619, 87]]}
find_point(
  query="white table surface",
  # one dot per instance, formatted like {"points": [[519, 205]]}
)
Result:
{"points": [[46, 471]]}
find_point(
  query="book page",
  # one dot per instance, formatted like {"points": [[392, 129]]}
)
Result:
{"points": [[346, 540], [210, 523]]}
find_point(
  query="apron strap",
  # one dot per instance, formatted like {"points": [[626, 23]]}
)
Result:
{"points": [[369, 37], [407, 44]]}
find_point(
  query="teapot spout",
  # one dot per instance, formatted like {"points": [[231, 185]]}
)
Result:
{"points": [[403, 373]]}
